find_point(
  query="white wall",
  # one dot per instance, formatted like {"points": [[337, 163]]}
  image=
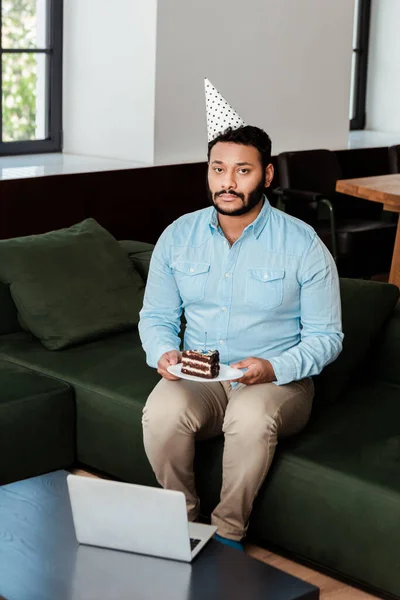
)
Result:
{"points": [[134, 73], [284, 65], [383, 89], [109, 78]]}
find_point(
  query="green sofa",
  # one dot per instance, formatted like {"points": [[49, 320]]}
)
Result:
{"points": [[332, 496]]}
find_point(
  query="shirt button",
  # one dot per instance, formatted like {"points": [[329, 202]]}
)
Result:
{"points": [[223, 308], [191, 270], [221, 342], [265, 276], [226, 274]]}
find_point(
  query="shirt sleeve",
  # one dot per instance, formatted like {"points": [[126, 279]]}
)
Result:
{"points": [[159, 323], [320, 318]]}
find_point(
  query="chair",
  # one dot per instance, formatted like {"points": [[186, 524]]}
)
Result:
{"points": [[394, 159], [360, 241]]}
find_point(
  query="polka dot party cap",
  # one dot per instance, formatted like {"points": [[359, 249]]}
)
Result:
{"points": [[220, 115]]}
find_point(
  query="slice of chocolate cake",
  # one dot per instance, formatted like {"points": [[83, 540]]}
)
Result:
{"points": [[200, 363]]}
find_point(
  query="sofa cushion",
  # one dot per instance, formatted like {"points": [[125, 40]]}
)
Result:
{"points": [[139, 253], [332, 495], [135, 247], [37, 423], [141, 262], [366, 305], [111, 383], [114, 366], [71, 285]]}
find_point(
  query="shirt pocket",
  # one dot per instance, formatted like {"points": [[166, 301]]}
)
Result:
{"points": [[191, 279], [264, 287]]}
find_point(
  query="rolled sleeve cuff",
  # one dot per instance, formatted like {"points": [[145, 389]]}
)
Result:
{"points": [[282, 372], [154, 356]]}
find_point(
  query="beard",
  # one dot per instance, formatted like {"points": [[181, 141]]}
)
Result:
{"points": [[253, 198]]}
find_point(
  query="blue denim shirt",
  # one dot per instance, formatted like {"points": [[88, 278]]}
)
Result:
{"points": [[274, 294]]}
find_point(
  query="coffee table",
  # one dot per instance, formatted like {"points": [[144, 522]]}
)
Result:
{"points": [[41, 560]]}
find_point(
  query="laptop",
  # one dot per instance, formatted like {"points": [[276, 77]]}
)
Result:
{"points": [[135, 518]]}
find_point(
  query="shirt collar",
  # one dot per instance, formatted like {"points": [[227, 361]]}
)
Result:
{"points": [[256, 226]]}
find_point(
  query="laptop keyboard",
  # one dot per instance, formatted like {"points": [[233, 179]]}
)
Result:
{"points": [[194, 543]]}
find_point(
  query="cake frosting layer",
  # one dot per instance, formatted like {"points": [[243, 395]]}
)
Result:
{"points": [[200, 363]]}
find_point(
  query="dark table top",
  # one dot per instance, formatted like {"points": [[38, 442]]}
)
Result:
{"points": [[41, 560]]}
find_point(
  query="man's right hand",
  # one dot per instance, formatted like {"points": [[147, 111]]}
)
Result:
{"points": [[173, 357]]}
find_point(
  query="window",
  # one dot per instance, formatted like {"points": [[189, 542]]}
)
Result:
{"points": [[358, 93], [30, 76]]}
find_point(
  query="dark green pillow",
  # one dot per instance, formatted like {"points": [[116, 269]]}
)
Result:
{"points": [[71, 285], [8, 311], [365, 307]]}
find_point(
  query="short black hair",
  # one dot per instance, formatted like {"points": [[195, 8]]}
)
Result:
{"points": [[248, 136]]}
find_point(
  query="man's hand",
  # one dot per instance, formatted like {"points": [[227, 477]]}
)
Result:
{"points": [[173, 357], [259, 370]]}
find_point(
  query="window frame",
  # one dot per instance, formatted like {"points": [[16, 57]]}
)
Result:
{"points": [[361, 69], [53, 142]]}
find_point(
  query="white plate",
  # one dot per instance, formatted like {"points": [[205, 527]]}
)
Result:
{"points": [[226, 373]]}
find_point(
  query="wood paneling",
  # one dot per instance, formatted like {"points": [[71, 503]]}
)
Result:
{"points": [[132, 204]]}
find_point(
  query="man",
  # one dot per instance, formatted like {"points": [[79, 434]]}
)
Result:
{"points": [[265, 289]]}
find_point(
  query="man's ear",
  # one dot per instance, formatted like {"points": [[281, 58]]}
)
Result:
{"points": [[269, 174]]}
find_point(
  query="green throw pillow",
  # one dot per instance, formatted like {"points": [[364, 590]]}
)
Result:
{"points": [[71, 285], [8, 312], [365, 307]]}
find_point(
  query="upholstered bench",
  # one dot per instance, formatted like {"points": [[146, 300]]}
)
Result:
{"points": [[37, 423]]}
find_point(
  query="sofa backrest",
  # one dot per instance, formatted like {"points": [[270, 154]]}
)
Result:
{"points": [[370, 322], [366, 308], [385, 357], [139, 253]]}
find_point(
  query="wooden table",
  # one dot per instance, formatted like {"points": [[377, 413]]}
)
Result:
{"points": [[384, 189]]}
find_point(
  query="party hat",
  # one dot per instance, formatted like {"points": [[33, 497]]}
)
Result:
{"points": [[220, 114]]}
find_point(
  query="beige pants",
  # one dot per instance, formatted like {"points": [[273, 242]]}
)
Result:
{"points": [[178, 413]]}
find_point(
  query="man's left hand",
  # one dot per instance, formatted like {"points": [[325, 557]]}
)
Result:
{"points": [[259, 370]]}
